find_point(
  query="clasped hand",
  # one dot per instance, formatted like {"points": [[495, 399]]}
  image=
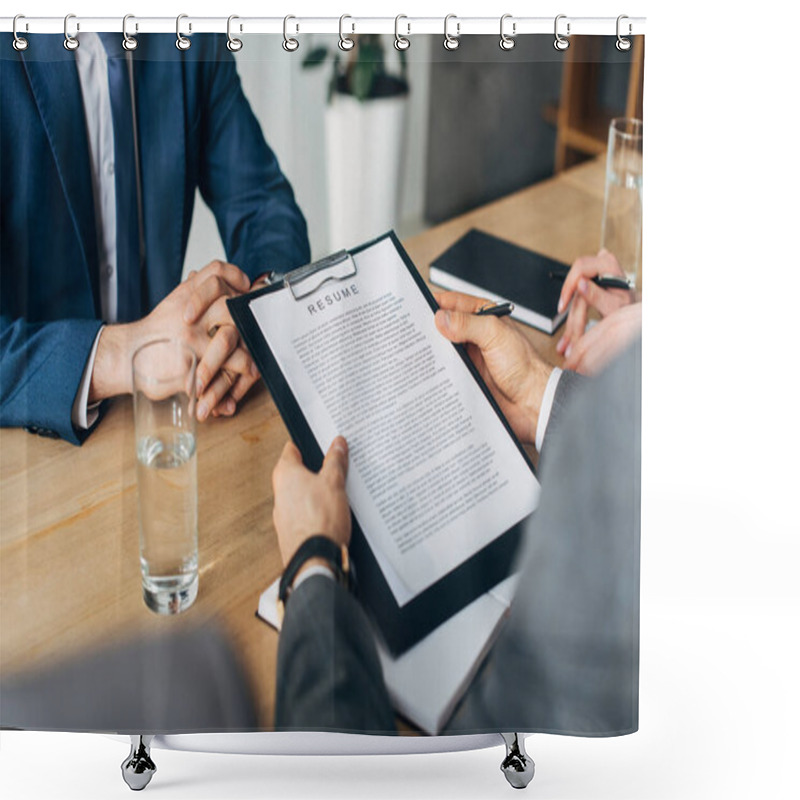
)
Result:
{"points": [[196, 312]]}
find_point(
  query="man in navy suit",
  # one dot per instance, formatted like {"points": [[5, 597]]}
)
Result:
{"points": [[101, 152]]}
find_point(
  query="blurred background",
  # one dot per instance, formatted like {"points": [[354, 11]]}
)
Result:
{"points": [[374, 139]]}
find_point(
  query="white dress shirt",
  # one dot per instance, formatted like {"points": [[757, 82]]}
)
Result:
{"points": [[92, 64]]}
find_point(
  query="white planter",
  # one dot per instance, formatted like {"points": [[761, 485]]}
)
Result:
{"points": [[364, 154]]}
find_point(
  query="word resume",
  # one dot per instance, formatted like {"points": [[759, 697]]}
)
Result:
{"points": [[434, 475]]}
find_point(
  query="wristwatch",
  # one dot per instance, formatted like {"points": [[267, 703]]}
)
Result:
{"points": [[319, 546]]}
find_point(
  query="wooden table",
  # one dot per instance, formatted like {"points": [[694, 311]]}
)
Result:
{"points": [[69, 541]]}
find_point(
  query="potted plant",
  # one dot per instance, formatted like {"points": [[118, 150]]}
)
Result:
{"points": [[364, 130]]}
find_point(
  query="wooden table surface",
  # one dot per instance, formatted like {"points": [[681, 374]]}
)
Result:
{"points": [[69, 541]]}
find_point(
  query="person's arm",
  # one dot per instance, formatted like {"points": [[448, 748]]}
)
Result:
{"points": [[261, 225], [41, 366], [571, 645], [328, 675]]}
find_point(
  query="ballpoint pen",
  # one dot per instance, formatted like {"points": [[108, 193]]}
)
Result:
{"points": [[603, 281], [496, 310]]}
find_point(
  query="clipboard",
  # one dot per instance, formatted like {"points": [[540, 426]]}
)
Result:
{"points": [[400, 626]]}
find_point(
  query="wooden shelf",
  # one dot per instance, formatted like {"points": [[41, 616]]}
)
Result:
{"points": [[581, 125]]}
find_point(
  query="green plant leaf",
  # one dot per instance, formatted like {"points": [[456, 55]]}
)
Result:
{"points": [[315, 57], [361, 78]]}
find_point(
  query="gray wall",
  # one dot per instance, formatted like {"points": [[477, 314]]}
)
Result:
{"points": [[487, 135]]}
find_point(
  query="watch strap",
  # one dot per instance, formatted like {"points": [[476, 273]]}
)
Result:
{"points": [[318, 546]]}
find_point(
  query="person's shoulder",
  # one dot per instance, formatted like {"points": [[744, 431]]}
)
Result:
{"points": [[203, 48]]}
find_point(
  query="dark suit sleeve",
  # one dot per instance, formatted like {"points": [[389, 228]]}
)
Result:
{"points": [[41, 366], [329, 677], [261, 225]]}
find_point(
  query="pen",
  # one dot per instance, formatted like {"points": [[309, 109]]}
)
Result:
{"points": [[497, 310], [603, 281]]}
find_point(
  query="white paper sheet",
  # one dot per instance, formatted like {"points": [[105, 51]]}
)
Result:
{"points": [[434, 476]]}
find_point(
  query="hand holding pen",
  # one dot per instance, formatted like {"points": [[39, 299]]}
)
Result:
{"points": [[583, 286], [495, 310]]}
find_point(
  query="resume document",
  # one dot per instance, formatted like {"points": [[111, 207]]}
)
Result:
{"points": [[434, 475]]}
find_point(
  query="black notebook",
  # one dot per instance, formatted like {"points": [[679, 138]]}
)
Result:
{"points": [[486, 266]]}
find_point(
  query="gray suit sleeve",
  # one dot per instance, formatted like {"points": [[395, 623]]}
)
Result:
{"points": [[567, 660], [569, 384], [329, 675]]}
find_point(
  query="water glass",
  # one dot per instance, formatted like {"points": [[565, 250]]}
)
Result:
{"points": [[166, 470], [622, 211]]}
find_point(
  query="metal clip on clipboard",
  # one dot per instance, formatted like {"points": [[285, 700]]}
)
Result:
{"points": [[303, 281]]}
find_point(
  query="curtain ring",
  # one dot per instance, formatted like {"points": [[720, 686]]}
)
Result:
{"points": [[233, 44], [345, 43], [181, 42], [128, 42], [70, 42], [451, 42], [20, 43], [289, 44], [401, 42], [507, 42], [560, 42], [623, 44]]}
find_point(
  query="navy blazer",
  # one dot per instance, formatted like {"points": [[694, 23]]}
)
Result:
{"points": [[196, 130]]}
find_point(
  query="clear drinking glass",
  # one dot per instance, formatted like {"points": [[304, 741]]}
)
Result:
{"points": [[166, 471], [622, 211]]}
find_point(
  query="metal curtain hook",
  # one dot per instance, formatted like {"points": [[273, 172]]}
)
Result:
{"points": [[128, 42], [233, 44], [20, 43], [560, 42], [622, 43], [507, 42], [345, 43], [451, 42], [70, 42], [181, 42], [289, 44], [401, 42]]}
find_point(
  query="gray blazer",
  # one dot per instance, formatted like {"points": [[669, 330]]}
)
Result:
{"points": [[567, 660]]}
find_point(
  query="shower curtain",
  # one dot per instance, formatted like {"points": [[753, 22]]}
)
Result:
{"points": [[137, 181]]}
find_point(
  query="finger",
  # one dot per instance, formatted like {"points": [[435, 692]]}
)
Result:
{"points": [[609, 264], [574, 358], [242, 386], [224, 383], [248, 374], [204, 293], [576, 323], [219, 349], [216, 315], [334, 467], [460, 327], [585, 266], [217, 389], [604, 300], [230, 273], [458, 301], [589, 355], [288, 463]]}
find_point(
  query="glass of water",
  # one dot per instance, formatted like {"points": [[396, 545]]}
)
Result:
{"points": [[166, 471], [622, 211]]}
